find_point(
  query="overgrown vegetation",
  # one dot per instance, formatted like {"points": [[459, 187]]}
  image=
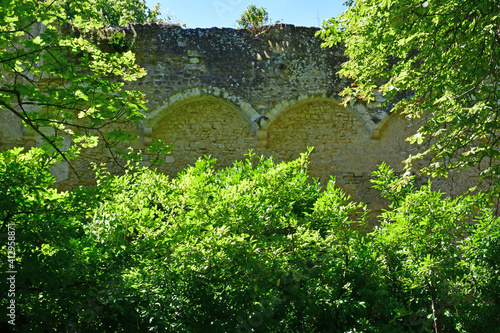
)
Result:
{"points": [[255, 19], [436, 60], [259, 246], [255, 247], [60, 82]]}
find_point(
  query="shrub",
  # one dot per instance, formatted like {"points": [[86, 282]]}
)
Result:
{"points": [[255, 247], [255, 19], [441, 254]]}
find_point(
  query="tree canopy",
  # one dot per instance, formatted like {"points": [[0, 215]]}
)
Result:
{"points": [[255, 19], [123, 12], [436, 59], [57, 75]]}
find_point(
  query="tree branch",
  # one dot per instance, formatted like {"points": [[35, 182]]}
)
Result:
{"points": [[37, 130]]}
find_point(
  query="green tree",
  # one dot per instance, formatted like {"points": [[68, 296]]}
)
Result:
{"points": [[255, 247], [57, 77], [123, 12], [440, 254], [435, 59], [254, 19], [235, 248]]}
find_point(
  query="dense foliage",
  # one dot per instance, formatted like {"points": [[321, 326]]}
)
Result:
{"points": [[259, 246], [255, 19], [438, 60], [433, 248], [255, 247], [123, 12], [61, 74]]}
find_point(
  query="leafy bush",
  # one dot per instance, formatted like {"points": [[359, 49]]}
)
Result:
{"points": [[257, 247], [249, 247], [55, 264], [255, 19], [254, 246], [441, 256]]}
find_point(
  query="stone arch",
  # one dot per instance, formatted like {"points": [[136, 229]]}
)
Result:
{"points": [[383, 124], [339, 136], [359, 111], [201, 125], [314, 121], [160, 111]]}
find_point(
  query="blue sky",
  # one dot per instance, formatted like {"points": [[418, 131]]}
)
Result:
{"points": [[224, 13]]}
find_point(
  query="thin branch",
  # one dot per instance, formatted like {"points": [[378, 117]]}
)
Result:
{"points": [[109, 149], [37, 130], [19, 30], [25, 54]]}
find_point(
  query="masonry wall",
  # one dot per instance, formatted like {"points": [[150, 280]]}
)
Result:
{"points": [[263, 70], [208, 89], [342, 145], [204, 126]]}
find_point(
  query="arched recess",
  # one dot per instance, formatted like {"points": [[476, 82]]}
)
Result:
{"points": [[339, 137], [201, 125], [160, 111], [360, 111], [316, 121]]}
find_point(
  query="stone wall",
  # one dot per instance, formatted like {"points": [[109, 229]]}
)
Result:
{"points": [[208, 89], [204, 126]]}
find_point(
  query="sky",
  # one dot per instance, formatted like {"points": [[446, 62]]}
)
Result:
{"points": [[224, 13]]}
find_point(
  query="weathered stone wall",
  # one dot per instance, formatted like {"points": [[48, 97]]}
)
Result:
{"points": [[262, 70], [204, 126], [207, 89]]}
